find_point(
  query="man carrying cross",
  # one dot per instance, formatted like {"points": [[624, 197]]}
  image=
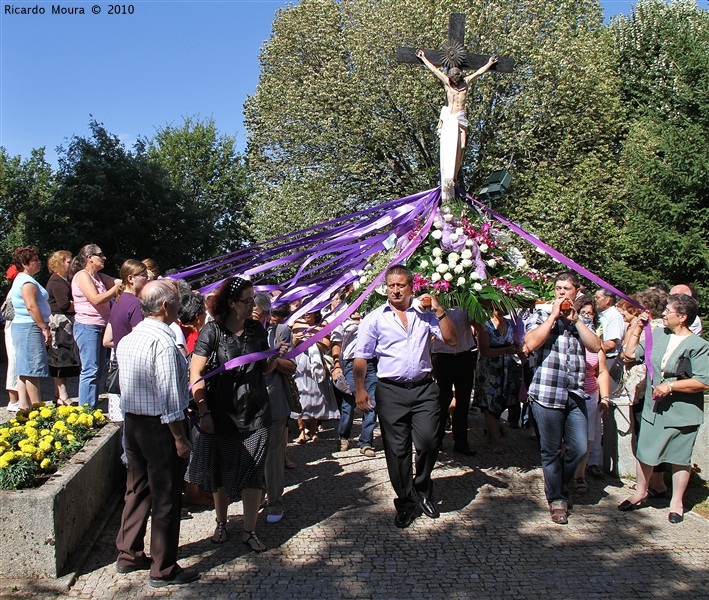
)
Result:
{"points": [[453, 123]]}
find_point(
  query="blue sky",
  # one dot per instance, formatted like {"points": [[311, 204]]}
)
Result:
{"points": [[133, 72]]}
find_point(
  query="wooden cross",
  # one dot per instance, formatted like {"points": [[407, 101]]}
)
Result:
{"points": [[454, 54]]}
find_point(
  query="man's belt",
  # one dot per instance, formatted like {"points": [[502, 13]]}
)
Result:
{"points": [[407, 384]]}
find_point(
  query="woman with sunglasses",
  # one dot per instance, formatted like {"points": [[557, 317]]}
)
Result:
{"points": [[230, 446], [92, 292]]}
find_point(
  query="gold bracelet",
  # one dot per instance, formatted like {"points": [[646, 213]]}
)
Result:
{"points": [[669, 384]]}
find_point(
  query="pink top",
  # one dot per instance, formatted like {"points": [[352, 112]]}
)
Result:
{"points": [[591, 383], [87, 313]]}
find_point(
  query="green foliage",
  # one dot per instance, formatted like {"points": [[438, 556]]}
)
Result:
{"points": [[21, 474], [205, 166], [664, 64], [336, 124], [121, 200]]}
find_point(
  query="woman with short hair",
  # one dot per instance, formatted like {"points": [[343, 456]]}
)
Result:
{"points": [[30, 328], [63, 353], [674, 402]]}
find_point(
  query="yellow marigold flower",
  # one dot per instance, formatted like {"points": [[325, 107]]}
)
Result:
{"points": [[44, 446], [23, 442], [70, 437], [4, 444], [31, 423], [38, 455], [5, 432], [4, 464], [16, 429], [13, 421], [48, 438], [45, 464], [45, 432], [45, 413], [72, 419], [29, 448], [59, 426], [9, 456], [33, 414], [27, 454], [63, 411], [58, 445]]}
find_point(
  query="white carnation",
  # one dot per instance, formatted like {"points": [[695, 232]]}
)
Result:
{"points": [[436, 261], [436, 277], [467, 263], [522, 263], [459, 230], [469, 243], [448, 277], [458, 269], [461, 281], [492, 262], [453, 237], [437, 235], [448, 217], [437, 224], [363, 280], [437, 252], [442, 268], [477, 287], [474, 276], [453, 258], [466, 253], [483, 247], [424, 264]]}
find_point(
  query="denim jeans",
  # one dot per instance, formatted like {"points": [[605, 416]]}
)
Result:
{"points": [[556, 425], [89, 339], [369, 420]]}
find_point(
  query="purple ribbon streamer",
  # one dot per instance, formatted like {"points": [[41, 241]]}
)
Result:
{"points": [[566, 261]]}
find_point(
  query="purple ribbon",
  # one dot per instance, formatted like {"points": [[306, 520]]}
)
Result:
{"points": [[566, 261]]}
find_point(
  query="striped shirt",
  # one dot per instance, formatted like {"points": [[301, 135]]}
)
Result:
{"points": [[561, 364], [152, 372]]}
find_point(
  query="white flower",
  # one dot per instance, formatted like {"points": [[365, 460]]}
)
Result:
{"points": [[483, 247], [459, 230], [466, 253], [381, 290], [437, 235], [448, 217], [469, 243], [368, 267], [356, 285], [466, 263], [458, 269], [540, 250], [435, 277], [363, 280], [461, 281], [360, 272], [522, 263], [448, 277], [453, 237], [437, 252], [453, 258], [436, 261], [445, 210], [437, 224], [492, 262], [442, 268], [477, 287], [424, 264], [474, 276]]}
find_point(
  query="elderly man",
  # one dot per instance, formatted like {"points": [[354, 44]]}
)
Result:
{"points": [[154, 396], [612, 323], [696, 325], [557, 393], [398, 335]]}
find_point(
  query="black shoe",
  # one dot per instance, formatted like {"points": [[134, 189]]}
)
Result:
{"points": [[627, 505], [429, 508], [675, 518], [465, 450], [179, 577], [404, 518], [142, 563]]}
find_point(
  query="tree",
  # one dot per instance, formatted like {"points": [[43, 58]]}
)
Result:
{"points": [[120, 200], [664, 65], [23, 184], [336, 124], [205, 166]]}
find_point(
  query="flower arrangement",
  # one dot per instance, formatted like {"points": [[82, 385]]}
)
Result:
{"points": [[37, 441], [467, 261]]}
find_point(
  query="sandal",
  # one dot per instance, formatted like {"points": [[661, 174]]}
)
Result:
{"points": [[220, 533], [581, 486], [253, 542]]}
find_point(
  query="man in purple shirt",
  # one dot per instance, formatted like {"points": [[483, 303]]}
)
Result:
{"points": [[399, 336]]}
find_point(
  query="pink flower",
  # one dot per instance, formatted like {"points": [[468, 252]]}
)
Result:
{"points": [[442, 286], [420, 282]]}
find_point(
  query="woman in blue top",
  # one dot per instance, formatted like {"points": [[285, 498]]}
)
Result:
{"points": [[30, 329]]}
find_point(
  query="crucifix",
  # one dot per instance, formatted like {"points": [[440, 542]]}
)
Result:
{"points": [[453, 123]]}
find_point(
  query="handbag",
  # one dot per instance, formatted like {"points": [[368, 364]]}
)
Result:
{"points": [[635, 383], [616, 370], [8, 309], [292, 393], [112, 385]]}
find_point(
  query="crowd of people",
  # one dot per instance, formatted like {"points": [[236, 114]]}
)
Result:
{"points": [[198, 419]]}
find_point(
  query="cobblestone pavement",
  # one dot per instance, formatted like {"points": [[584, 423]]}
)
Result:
{"points": [[494, 538]]}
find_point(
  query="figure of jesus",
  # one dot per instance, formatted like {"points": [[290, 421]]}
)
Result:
{"points": [[453, 123]]}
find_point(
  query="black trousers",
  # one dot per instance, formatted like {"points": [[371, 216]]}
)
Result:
{"points": [[406, 416], [455, 371], [153, 489]]}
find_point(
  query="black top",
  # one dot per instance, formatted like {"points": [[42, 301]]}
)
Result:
{"points": [[59, 290], [237, 399]]}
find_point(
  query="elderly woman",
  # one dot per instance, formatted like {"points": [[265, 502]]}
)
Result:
{"points": [[92, 292], [30, 328], [63, 353], [229, 456], [674, 404]]}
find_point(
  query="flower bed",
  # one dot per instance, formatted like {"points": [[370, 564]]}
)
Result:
{"points": [[37, 441]]}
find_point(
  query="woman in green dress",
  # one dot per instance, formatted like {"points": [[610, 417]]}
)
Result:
{"points": [[674, 404]]}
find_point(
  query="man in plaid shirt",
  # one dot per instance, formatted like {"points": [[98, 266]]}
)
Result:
{"points": [[557, 391]]}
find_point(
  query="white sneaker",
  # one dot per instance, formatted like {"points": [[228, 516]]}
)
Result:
{"points": [[13, 407], [274, 518]]}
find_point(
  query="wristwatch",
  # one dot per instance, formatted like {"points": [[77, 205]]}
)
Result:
{"points": [[443, 316]]}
